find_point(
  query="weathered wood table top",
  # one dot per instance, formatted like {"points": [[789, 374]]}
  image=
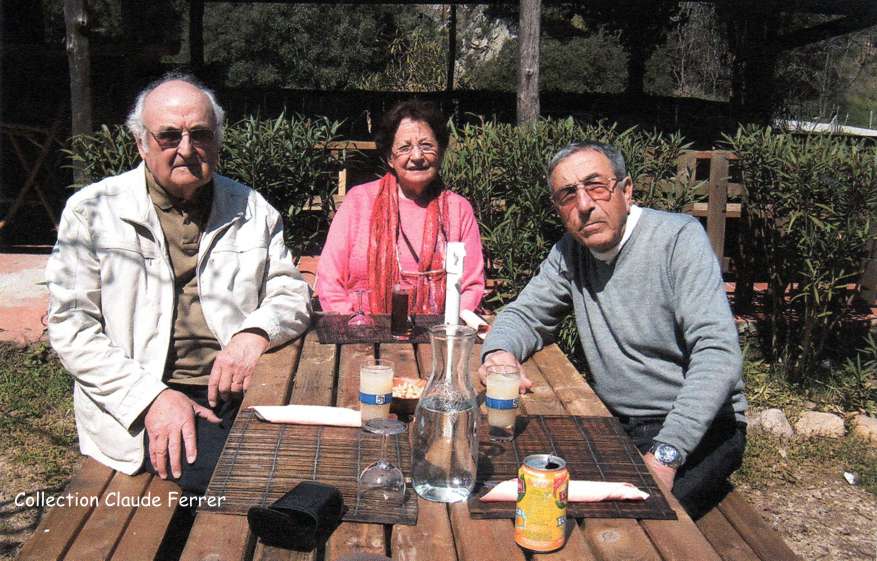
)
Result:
{"points": [[310, 373]]}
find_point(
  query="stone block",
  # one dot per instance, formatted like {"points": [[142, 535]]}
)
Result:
{"points": [[816, 423]]}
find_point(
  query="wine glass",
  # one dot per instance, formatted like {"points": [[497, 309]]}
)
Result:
{"points": [[382, 481], [360, 319]]}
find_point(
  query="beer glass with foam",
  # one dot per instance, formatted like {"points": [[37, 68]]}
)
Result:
{"points": [[375, 389], [503, 387]]}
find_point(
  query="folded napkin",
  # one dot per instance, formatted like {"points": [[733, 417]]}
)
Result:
{"points": [[577, 492], [309, 415], [475, 321]]}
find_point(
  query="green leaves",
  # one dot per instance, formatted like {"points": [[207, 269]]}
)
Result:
{"points": [[809, 204]]}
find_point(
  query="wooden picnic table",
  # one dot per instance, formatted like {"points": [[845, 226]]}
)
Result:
{"points": [[328, 375], [307, 372]]}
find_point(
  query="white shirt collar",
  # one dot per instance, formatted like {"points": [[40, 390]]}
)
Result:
{"points": [[629, 225]]}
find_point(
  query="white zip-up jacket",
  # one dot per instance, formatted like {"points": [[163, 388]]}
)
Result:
{"points": [[111, 288]]}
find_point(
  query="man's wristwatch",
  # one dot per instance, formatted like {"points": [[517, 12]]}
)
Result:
{"points": [[666, 454]]}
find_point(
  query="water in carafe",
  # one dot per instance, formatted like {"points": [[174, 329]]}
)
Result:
{"points": [[445, 447]]}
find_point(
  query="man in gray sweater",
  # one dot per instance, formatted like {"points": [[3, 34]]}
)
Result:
{"points": [[653, 318]]}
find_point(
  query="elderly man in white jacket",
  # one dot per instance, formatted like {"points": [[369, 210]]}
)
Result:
{"points": [[167, 284]]}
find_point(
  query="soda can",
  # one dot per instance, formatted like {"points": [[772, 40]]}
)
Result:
{"points": [[540, 515]]}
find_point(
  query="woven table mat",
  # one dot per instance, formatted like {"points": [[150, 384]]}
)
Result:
{"points": [[333, 329], [263, 461], [595, 449]]}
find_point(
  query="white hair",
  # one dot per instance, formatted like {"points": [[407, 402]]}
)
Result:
{"points": [[135, 124]]}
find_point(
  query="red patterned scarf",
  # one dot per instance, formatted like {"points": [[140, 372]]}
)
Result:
{"points": [[383, 269]]}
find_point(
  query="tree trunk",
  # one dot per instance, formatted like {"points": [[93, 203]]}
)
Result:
{"points": [[528, 65], [77, 22], [196, 36], [636, 68]]}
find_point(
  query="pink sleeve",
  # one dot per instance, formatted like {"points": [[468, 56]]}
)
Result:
{"points": [[472, 283], [333, 270]]}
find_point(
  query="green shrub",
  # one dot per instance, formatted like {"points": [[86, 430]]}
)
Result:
{"points": [[287, 159], [289, 162], [808, 207]]}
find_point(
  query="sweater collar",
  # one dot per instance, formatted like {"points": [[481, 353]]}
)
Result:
{"points": [[611, 253]]}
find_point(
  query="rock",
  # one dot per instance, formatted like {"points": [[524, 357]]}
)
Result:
{"points": [[774, 421], [809, 405], [815, 423], [865, 427]]}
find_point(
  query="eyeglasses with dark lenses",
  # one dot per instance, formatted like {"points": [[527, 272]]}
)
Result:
{"points": [[171, 138], [598, 189]]}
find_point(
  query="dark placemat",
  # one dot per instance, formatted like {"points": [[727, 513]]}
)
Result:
{"points": [[262, 461], [333, 329], [595, 449]]}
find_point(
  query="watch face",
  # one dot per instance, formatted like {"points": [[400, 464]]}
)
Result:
{"points": [[666, 454]]}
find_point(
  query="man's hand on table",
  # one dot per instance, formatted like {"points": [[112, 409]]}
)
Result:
{"points": [[504, 358], [170, 425], [234, 365], [664, 474]]}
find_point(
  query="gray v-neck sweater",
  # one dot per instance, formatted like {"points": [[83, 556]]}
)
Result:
{"points": [[655, 325]]}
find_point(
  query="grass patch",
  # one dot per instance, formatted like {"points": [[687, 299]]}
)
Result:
{"points": [[770, 460], [37, 427]]}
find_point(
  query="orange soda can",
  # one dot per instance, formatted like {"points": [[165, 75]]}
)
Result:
{"points": [[540, 515]]}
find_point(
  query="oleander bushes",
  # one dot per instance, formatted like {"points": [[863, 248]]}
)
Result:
{"points": [[809, 204]]}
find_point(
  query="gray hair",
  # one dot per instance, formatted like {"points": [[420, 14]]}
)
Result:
{"points": [[616, 159], [135, 124]]}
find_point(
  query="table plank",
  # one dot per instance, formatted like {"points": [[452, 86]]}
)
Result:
{"points": [[353, 537], [139, 541], [432, 537], [227, 537], [108, 521], [543, 401], [725, 538], [60, 526], [678, 539], [760, 537], [483, 540], [312, 385]]}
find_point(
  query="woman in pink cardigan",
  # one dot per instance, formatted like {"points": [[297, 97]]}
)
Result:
{"points": [[397, 227]]}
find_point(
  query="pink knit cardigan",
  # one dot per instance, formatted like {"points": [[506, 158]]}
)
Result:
{"points": [[344, 262]]}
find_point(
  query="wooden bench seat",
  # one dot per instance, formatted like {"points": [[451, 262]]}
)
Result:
{"points": [[98, 525]]}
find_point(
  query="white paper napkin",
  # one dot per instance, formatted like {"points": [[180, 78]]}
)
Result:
{"points": [[309, 415], [475, 321], [577, 492]]}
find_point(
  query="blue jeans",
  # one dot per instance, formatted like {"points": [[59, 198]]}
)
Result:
{"points": [[210, 439], [702, 481]]}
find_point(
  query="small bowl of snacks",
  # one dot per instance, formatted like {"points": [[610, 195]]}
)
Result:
{"points": [[406, 394]]}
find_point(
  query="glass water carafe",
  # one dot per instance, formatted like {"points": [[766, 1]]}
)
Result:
{"points": [[445, 447]]}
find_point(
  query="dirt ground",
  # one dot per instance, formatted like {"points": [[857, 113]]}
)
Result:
{"points": [[821, 517]]}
